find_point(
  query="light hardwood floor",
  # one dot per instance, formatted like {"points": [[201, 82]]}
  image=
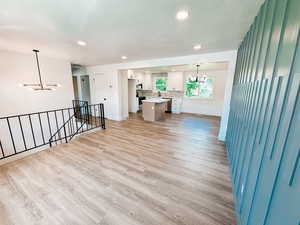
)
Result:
{"points": [[134, 173]]}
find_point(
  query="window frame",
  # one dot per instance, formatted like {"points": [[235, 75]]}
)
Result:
{"points": [[198, 96], [154, 83]]}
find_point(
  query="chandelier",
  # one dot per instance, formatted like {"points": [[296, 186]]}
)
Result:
{"points": [[200, 78], [40, 86]]}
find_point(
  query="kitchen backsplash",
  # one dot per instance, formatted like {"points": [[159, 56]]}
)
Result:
{"points": [[150, 93]]}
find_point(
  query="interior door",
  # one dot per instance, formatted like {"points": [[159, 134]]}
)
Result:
{"points": [[102, 92]]}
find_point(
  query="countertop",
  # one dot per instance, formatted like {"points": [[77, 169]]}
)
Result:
{"points": [[156, 100]]}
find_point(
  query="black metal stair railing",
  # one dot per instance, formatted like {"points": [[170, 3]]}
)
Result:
{"points": [[79, 103], [25, 132], [80, 108], [86, 117]]}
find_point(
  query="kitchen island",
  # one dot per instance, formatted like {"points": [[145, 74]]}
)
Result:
{"points": [[154, 109]]}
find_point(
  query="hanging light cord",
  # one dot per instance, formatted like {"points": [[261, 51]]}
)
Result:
{"points": [[38, 66], [40, 86], [197, 73]]}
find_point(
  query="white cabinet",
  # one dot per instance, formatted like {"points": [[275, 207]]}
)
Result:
{"points": [[133, 104], [176, 105], [175, 81], [130, 74], [141, 78], [147, 82]]}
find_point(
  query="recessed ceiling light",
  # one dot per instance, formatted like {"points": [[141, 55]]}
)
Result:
{"points": [[197, 47], [124, 57], [81, 43], [182, 15]]}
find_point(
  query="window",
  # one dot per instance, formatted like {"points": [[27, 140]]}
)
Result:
{"points": [[195, 88], [160, 83]]}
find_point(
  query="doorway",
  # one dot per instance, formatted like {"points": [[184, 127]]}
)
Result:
{"points": [[75, 87], [85, 88]]}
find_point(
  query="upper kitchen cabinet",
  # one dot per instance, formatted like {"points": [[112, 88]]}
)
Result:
{"points": [[147, 82], [138, 76], [143, 78], [175, 81]]}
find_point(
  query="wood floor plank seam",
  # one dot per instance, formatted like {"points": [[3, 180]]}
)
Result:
{"points": [[171, 172]]}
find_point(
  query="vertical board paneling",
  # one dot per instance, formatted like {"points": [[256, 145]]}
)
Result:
{"points": [[264, 122]]}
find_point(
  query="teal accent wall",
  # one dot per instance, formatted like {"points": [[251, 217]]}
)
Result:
{"points": [[263, 136]]}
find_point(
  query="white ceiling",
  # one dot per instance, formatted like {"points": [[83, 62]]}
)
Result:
{"points": [[139, 29], [217, 66]]}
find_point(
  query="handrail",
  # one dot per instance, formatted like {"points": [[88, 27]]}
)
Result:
{"points": [[24, 132], [79, 103], [84, 115], [77, 130], [35, 113], [63, 126]]}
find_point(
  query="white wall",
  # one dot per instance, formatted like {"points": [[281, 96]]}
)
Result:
{"points": [[213, 106], [123, 95], [111, 74], [16, 68]]}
